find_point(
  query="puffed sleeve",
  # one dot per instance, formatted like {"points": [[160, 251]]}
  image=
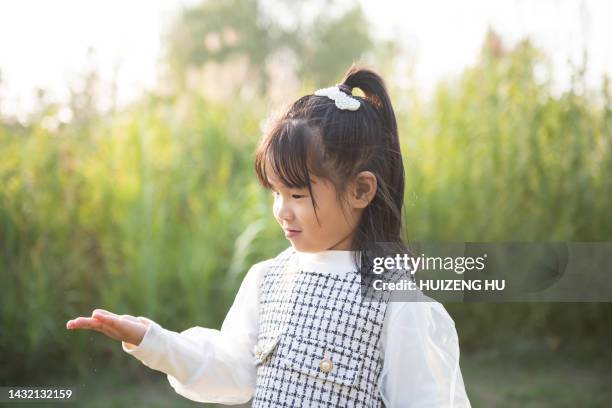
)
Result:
{"points": [[208, 365], [420, 348]]}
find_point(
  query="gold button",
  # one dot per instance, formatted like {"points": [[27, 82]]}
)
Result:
{"points": [[258, 354], [326, 365]]}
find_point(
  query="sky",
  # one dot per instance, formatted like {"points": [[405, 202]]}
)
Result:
{"points": [[44, 44]]}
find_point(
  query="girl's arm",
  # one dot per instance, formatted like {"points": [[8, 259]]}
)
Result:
{"points": [[421, 357], [209, 365]]}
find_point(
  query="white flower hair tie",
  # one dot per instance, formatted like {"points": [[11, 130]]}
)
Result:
{"points": [[342, 100]]}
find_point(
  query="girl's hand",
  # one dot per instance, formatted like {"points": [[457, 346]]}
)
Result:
{"points": [[124, 328]]}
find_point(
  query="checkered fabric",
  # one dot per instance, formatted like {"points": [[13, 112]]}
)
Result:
{"points": [[309, 317]]}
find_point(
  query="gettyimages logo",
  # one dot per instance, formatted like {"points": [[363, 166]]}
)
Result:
{"points": [[489, 272], [410, 263]]}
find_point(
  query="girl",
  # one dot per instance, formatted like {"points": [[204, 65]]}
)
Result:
{"points": [[299, 332]]}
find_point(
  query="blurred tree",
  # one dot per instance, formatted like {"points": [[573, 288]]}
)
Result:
{"points": [[333, 45], [217, 31]]}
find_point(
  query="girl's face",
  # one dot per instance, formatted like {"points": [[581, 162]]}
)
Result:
{"points": [[295, 213]]}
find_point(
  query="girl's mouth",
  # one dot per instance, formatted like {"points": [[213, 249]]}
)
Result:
{"points": [[289, 233]]}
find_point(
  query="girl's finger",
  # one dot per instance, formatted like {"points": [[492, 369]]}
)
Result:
{"points": [[112, 318], [93, 324], [131, 319], [115, 324], [113, 321], [117, 321], [125, 328], [106, 312], [83, 323]]}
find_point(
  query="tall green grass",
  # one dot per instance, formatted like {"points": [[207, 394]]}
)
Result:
{"points": [[497, 156], [141, 216]]}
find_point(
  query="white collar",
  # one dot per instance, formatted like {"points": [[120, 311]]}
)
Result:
{"points": [[329, 261]]}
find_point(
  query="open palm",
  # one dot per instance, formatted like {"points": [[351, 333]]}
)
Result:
{"points": [[124, 328]]}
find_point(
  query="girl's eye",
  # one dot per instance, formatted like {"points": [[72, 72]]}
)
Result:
{"points": [[294, 196]]}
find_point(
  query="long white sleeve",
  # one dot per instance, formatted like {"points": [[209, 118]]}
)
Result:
{"points": [[421, 357], [208, 365]]}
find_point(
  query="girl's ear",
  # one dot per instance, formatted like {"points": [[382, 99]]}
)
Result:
{"points": [[363, 189]]}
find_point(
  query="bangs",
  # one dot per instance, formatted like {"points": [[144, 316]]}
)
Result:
{"points": [[291, 152]]}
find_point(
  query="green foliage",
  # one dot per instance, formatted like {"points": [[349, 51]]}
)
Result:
{"points": [[498, 143]]}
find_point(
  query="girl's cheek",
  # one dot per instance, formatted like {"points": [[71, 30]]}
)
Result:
{"points": [[280, 208], [274, 205], [275, 208], [305, 210]]}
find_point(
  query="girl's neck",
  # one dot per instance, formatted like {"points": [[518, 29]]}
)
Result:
{"points": [[330, 260]]}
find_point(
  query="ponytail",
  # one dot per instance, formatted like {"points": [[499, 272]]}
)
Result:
{"points": [[375, 91]]}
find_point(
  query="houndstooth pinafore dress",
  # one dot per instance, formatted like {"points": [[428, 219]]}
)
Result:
{"points": [[318, 342]]}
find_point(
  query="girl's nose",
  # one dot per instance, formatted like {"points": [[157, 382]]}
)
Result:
{"points": [[282, 209]]}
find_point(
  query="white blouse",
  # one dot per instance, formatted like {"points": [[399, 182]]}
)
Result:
{"points": [[418, 341]]}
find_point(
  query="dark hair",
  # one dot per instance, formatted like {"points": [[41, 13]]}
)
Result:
{"points": [[314, 137]]}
